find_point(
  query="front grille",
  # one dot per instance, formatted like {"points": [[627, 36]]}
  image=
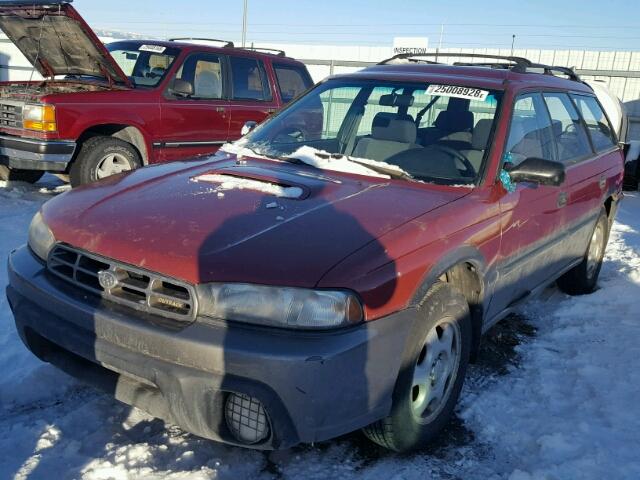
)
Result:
{"points": [[123, 284], [10, 114]]}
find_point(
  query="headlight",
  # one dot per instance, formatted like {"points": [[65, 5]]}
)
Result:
{"points": [[41, 240], [39, 117], [279, 306]]}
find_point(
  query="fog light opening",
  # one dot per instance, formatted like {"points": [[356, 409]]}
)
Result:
{"points": [[246, 418]]}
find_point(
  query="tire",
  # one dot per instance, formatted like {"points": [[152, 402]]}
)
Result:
{"points": [[583, 278], [444, 311], [15, 175], [100, 157]]}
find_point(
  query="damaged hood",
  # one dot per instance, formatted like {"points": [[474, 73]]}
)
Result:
{"points": [[257, 221], [57, 41]]}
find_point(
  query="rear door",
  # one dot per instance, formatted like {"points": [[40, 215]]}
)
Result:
{"points": [[251, 93], [532, 214], [199, 123]]}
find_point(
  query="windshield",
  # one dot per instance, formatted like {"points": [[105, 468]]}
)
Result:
{"points": [[428, 132], [144, 64]]}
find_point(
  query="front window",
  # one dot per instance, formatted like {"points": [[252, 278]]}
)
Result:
{"points": [[417, 131], [144, 64]]}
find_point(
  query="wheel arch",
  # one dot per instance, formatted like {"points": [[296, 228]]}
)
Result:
{"points": [[466, 270], [127, 133]]}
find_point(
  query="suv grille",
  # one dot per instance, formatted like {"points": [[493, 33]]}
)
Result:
{"points": [[120, 283], [10, 114]]}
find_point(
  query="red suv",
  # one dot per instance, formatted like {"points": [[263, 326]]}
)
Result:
{"points": [[102, 110], [319, 277]]}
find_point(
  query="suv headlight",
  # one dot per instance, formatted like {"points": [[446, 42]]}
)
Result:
{"points": [[279, 306], [41, 118], [41, 239]]}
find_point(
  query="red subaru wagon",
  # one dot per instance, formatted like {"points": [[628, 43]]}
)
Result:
{"points": [[102, 111], [317, 278]]}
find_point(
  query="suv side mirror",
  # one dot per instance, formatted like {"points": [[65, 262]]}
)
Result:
{"points": [[248, 127], [537, 170], [182, 88]]}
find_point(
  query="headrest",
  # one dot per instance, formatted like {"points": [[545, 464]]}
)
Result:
{"points": [[395, 100], [454, 121], [389, 126], [556, 128], [481, 133]]}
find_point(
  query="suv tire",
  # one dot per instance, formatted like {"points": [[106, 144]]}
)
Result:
{"points": [[438, 351], [100, 157], [15, 175], [583, 278]]}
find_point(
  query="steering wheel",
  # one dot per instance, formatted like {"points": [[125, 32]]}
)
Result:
{"points": [[469, 170]]}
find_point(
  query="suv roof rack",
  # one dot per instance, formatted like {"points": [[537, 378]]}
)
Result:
{"points": [[518, 64], [275, 51], [227, 43]]}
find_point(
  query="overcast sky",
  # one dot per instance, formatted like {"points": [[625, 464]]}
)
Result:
{"points": [[570, 24]]}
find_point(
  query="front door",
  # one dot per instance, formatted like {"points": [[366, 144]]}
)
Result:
{"points": [[197, 123], [532, 214]]}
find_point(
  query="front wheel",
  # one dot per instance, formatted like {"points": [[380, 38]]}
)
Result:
{"points": [[101, 157], [583, 278], [16, 175], [432, 374]]}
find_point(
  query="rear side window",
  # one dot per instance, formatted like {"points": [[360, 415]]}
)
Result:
{"points": [[569, 134], [599, 128], [292, 81], [530, 131], [249, 79]]}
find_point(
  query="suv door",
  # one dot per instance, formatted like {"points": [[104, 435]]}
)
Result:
{"points": [[532, 216], [251, 94], [196, 123], [584, 171]]}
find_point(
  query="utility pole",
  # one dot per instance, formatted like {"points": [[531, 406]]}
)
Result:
{"points": [[244, 24], [513, 42]]}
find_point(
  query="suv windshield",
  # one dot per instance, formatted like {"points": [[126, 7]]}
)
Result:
{"points": [[144, 64], [428, 132]]}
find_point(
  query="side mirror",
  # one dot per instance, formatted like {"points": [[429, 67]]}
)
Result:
{"points": [[248, 127], [182, 88], [537, 170]]}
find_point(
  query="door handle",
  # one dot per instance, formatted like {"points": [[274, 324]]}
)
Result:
{"points": [[220, 109], [603, 182], [562, 199]]}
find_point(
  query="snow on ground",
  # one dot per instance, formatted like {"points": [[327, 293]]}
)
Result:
{"points": [[555, 395]]}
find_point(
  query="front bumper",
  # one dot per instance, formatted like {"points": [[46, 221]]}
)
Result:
{"points": [[313, 385], [28, 154]]}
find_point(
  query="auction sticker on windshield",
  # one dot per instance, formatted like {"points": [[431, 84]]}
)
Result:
{"points": [[458, 92], [152, 48]]}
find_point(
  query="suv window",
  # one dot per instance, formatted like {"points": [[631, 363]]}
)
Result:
{"points": [[249, 79], [568, 131], [599, 128], [292, 81], [204, 71], [145, 65], [530, 131]]}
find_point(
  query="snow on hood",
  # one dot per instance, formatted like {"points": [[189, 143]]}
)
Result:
{"points": [[232, 182], [322, 159]]}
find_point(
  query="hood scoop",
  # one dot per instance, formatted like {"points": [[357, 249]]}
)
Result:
{"points": [[224, 182]]}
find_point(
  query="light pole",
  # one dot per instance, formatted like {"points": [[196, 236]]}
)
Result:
{"points": [[244, 24], [513, 42]]}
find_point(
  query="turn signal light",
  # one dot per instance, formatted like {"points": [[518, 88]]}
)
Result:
{"points": [[41, 118]]}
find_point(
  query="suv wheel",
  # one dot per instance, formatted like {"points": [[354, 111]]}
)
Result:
{"points": [[432, 374], [101, 157], [15, 175], [583, 278]]}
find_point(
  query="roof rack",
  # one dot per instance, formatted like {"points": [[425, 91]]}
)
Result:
{"points": [[275, 51], [550, 69], [520, 64], [227, 44]]}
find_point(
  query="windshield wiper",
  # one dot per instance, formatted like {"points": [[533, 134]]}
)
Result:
{"points": [[392, 172]]}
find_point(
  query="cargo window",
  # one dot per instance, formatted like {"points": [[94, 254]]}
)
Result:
{"points": [[249, 79], [292, 81], [569, 133], [599, 128]]}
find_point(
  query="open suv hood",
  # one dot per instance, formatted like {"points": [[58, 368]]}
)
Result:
{"points": [[57, 41]]}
